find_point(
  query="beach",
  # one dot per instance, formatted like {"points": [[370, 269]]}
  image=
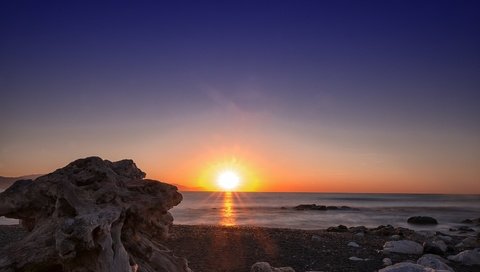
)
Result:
{"points": [[236, 249]]}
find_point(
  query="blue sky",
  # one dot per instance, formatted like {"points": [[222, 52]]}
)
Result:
{"points": [[394, 83]]}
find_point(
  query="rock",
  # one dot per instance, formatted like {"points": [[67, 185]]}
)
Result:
{"points": [[353, 244], [465, 228], [387, 261], [467, 221], [469, 242], [316, 238], [426, 233], [445, 238], [435, 262], [467, 257], [358, 229], [405, 267], [356, 259], [316, 207], [403, 246], [387, 230], [395, 237], [339, 228], [359, 234], [92, 215], [435, 247], [422, 220], [265, 267]]}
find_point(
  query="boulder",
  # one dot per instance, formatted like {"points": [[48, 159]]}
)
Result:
{"points": [[316, 207], [435, 247], [358, 229], [266, 267], [422, 220], [92, 215], [387, 261], [445, 238], [403, 246], [467, 257], [435, 262], [405, 267], [387, 230], [353, 244], [470, 242], [339, 228], [466, 229]]}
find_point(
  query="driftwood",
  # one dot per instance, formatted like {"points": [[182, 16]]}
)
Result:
{"points": [[92, 215]]}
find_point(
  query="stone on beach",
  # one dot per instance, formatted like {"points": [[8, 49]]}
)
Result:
{"points": [[403, 246], [92, 215], [469, 242], [266, 267], [353, 244], [435, 247], [387, 261], [405, 267], [339, 228], [356, 259], [422, 220], [467, 257], [435, 262]]}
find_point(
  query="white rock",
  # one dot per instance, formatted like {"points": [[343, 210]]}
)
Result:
{"points": [[395, 237], [353, 244], [467, 257], [387, 261], [404, 267], [435, 262], [265, 267], [359, 234], [403, 246]]}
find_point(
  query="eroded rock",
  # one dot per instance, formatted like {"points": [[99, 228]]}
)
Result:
{"points": [[403, 246], [435, 262], [266, 267], [467, 257], [92, 215]]}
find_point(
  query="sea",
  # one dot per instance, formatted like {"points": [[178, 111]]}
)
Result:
{"points": [[370, 210], [276, 210]]}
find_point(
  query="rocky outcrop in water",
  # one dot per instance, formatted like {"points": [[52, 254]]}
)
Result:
{"points": [[92, 215], [422, 220]]}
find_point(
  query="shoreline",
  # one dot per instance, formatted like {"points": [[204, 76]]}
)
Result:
{"points": [[214, 248]]}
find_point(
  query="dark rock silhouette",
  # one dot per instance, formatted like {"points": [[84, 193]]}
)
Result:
{"points": [[315, 207], [92, 215], [422, 220]]}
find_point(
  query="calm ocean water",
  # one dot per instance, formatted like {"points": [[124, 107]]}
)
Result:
{"points": [[370, 210]]}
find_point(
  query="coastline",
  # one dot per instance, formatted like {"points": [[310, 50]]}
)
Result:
{"points": [[214, 248]]}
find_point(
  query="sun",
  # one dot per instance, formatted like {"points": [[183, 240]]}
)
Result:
{"points": [[228, 180]]}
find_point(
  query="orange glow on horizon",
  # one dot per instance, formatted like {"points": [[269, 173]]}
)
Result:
{"points": [[228, 213]]}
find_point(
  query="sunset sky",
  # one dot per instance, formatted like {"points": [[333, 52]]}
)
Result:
{"points": [[327, 96]]}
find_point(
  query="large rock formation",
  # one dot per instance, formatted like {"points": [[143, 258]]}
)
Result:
{"points": [[92, 215]]}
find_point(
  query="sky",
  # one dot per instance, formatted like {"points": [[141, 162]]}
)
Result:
{"points": [[325, 96]]}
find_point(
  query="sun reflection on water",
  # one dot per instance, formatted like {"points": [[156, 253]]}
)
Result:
{"points": [[228, 213]]}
